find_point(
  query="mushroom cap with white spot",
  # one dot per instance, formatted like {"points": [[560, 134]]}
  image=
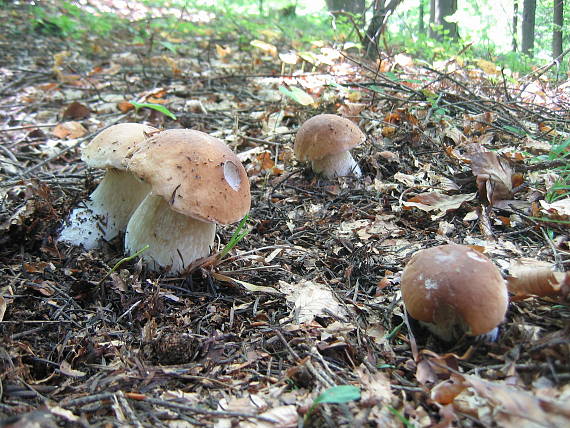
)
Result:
{"points": [[325, 135], [197, 174], [454, 284], [109, 147]]}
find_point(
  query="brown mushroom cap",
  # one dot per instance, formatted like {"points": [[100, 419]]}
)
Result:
{"points": [[197, 174], [325, 135], [454, 284], [108, 148]]}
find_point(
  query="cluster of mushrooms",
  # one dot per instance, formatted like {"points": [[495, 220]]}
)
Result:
{"points": [[168, 189], [165, 189]]}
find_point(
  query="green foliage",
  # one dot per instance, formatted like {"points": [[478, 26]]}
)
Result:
{"points": [[561, 188], [237, 236], [124, 260], [69, 20], [336, 394], [157, 107], [401, 417]]}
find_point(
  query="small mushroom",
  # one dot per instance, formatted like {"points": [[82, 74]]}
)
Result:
{"points": [[111, 204], [325, 141], [454, 290], [196, 182]]}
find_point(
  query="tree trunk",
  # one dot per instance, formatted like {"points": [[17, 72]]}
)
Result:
{"points": [[432, 33], [515, 25], [421, 26], [381, 13], [529, 11], [558, 18], [440, 27], [352, 6]]}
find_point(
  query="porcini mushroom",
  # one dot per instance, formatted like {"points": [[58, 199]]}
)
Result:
{"points": [[196, 182], [454, 290], [111, 204], [325, 140]]}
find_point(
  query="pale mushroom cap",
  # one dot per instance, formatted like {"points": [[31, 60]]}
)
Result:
{"points": [[109, 147], [197, 174], [454, 284], [324, 135]]}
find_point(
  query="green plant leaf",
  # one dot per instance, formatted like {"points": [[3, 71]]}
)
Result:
{"points": [[514, 130], [237, 236], [170, 46], [157, 107], [338, 394], [298, 95]]}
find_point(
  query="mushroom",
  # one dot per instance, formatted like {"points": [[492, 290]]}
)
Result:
{"points": [[111, 204], [454, 290], [196, 182], [325, 140]]}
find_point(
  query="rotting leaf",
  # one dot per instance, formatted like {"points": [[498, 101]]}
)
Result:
{"points": [[311, 299], [494, 176]]}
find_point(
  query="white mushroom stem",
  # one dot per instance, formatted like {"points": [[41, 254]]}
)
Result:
{"points": [[174, 239], [338, 165], [107, 211]]}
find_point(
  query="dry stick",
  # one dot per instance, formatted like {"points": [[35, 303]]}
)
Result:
{"points": [[537, 73], [20, 128], [307, 363], [129, 412], [107, 396]]}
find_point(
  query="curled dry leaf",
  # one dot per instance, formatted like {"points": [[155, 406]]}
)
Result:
{"points": [[534, 277], [431, 201], [494, 176], [558, 210], [446, 391]]}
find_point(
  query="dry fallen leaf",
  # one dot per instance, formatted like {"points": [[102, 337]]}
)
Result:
{"points": [[266, 48], [311, 299], [494, 176], [534, 277], [518, 404], [558, 210], [69, 130], [76, 110], [431, 201]]}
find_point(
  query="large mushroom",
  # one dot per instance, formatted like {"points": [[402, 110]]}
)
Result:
{"points": [[196, 182], [325, 140], [454, 290], [111, 204]]}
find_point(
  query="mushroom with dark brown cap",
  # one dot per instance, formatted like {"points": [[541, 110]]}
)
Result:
{"points": [[454, 290], [111, 204], [325, 140], [196, 182]]}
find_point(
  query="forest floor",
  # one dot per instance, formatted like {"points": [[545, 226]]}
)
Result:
{"points": [[310, 298]]}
